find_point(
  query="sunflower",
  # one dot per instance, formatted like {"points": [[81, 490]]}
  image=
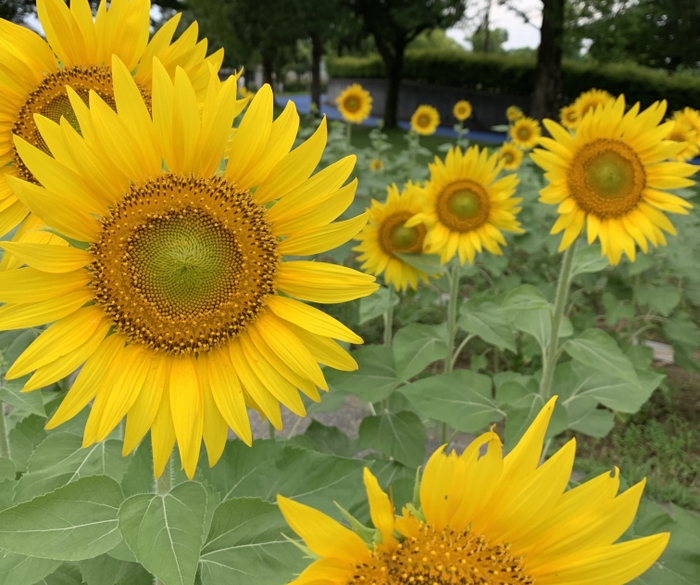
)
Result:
{"points": [[590, 100], [78, 53], [172, 303], [386, 235], [244, 92], [354, 103], [425, 120], [514, 113], [568, 117], [689, 117], [462, 110], [685, 135], [485, 519], [466, 207], [612, 174], [525, 133], [510, 156], [376, 164]]}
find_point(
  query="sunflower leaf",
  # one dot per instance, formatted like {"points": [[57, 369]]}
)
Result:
{"points": [[417, 346], [428, 263], [589, 259], [595, 348], [489, 323], [401, 436], [377, 304], [23, 570]]}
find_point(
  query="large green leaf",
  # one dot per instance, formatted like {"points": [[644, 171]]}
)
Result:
{"points": [[416, 346], [589, 259], [60, 459], [400, 435], [166, 532], [13, 343], [247, 545], [662, 298], [596, 349], [105, 570], [428, 263], [24, 438], [75, 522], [538, 323], [586, 418], [31, 402], [331, 440], [462, 399], [374, 380], [489, 323], [269, 468], [525, 298], [18, 569], [66, 574], [377, 304], [682, 330]]}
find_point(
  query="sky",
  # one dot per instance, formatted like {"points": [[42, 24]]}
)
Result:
{"points": [[520, 34]]}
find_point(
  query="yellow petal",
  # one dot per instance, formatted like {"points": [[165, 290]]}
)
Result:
{"points": [[215, 431], [315, 240], [35, 314], [162, 431], [142, 413], [380, 508], [323, 283], [324, 350], [48, 258], [187, 411], [29, 285]]}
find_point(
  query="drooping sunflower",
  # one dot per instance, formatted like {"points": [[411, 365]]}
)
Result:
{"points": [[525, 133], [685, 135], [466, 207], [568, 117], [485, 519], [612, 175], [425, 120], [354, 103], [514, 113], [689, 117], [376, 164], [590, 100], [462, 110], [78, 53], [174, 305], [386, 235], [511, 156]]}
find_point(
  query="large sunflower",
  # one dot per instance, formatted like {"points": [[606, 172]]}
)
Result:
{"points": [[612, 175], [173, 304], [78, 52], [466, 207], [485, 519], [525, 133], [425, 120], [590, 100], [386, 235], [354, 103]]}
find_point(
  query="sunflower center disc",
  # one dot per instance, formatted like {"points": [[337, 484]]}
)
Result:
{"points": [[50, 100], [352, 104], [463, 206], [524, 133], [442, 557], [423, 120], [607, 178], [395, 237], [184, 264]]}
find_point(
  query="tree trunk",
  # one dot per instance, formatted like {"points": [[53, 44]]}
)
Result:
{"points": [[268, 69], [394, 69], [548, 73], [316, 54]]}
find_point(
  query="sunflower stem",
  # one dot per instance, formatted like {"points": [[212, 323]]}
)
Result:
{"points": [[4, 439], [389, 318], [348, 134], [270, 430], [551, 355], [453, 277]]}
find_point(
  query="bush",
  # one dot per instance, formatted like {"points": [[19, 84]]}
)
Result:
{"points": [[516, 75]]}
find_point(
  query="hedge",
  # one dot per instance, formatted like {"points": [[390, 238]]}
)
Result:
{"points": [[515, 75]]}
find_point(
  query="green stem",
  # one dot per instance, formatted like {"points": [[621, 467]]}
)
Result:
{"points": [[270, 430], [389, 318], [4, 440], [459, 349], [451, 326], [348, 134], [551, 354], [164, 482]]}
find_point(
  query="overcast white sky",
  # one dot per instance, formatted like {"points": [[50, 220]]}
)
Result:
{"points": [[519, 34]]}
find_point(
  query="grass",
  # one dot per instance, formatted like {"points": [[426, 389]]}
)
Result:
{"points": [[661, 442]]}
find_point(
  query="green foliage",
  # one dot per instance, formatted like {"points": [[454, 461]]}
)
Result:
{"points": [[516, 75]]}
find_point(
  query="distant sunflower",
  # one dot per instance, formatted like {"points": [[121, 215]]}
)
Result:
{"points": [[244, 92], [525, 133], [466, 207], [462, 110], [685, 135], [568, 117], [590, 100], [386, 235], [612, 175], [514, 113], [376, 164], [354, 103], [486, 519], [510, 156], [689, 117], [78, 53], [425, 120], [173, 304]]}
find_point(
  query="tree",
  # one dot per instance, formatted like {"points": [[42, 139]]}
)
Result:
{"points": [[394, 24], [488, 41], [545, 97], [15, 10]]}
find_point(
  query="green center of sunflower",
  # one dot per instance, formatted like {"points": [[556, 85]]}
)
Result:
{"points": [[442, 557], [423, 120], [395, 237], [183, 264], [352, 104], [463, 206], [50, 100], [508, 157], [524, 133], [606, 178]]}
